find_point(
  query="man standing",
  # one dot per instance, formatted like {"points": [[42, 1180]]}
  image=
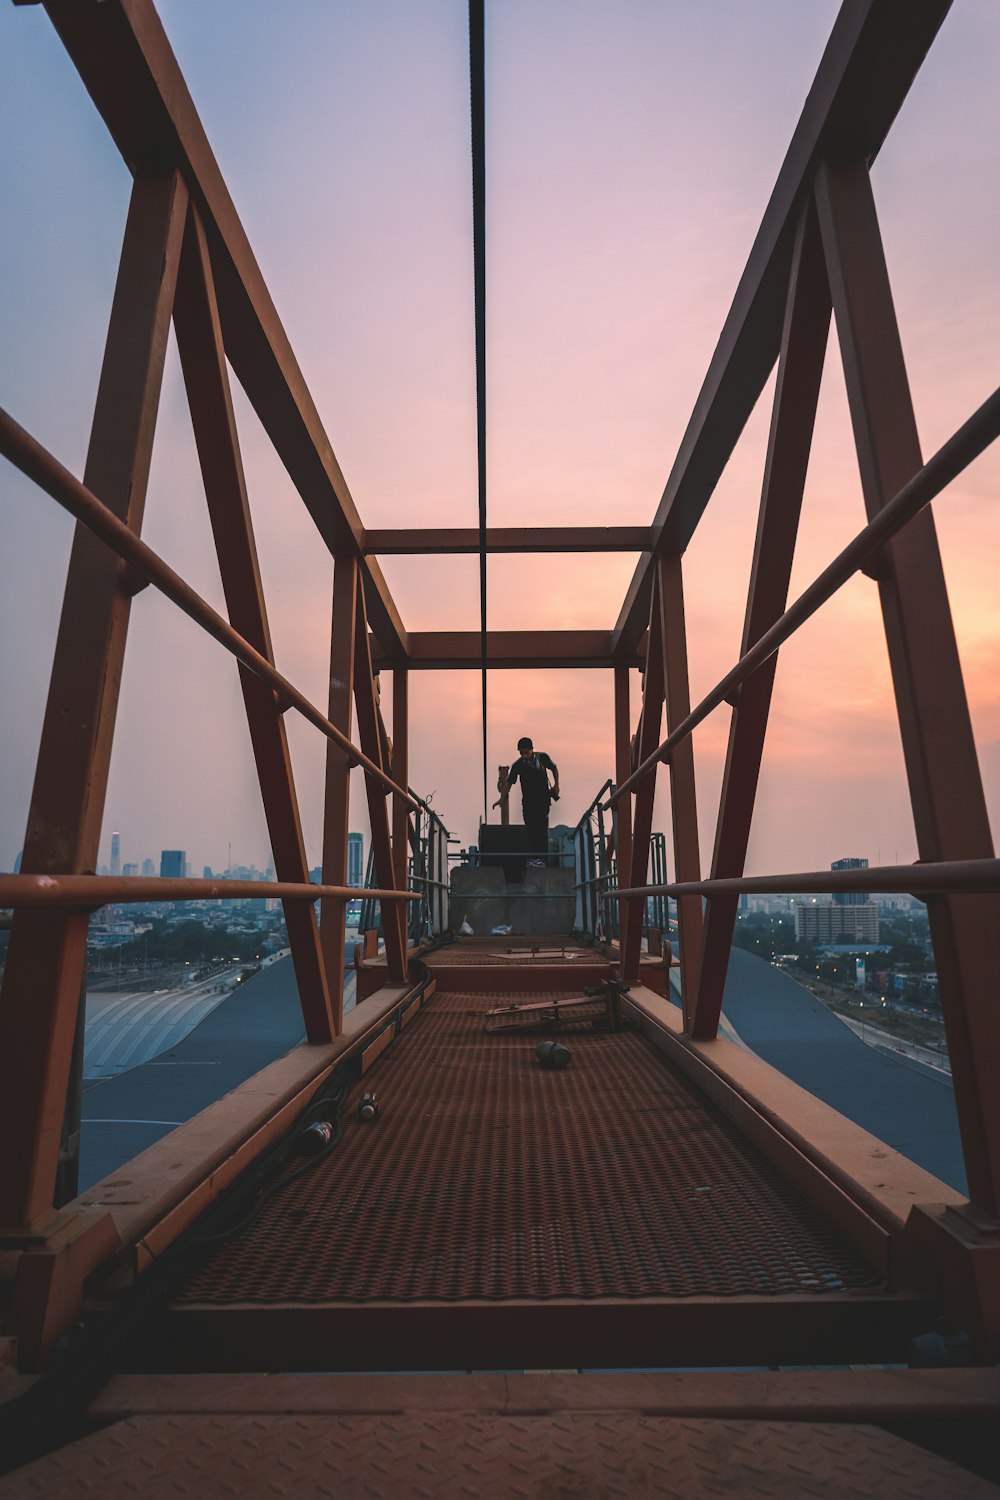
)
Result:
{"points": [[532, 770]]}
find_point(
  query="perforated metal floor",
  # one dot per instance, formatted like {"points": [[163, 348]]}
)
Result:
{"points": [[486, 1177]]}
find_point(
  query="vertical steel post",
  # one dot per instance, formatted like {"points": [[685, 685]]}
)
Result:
{"points": [[370, 736], [622, 812], [46, 962], [642, 824], [203, 361], [683, 803], [939, 749], [800, 370], [400, 811], [336, 802]]}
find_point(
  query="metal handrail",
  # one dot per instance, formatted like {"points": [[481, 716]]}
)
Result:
{"points": [[28, 455], [104, 890], [965, 445], [595, 803], [937, 878]]}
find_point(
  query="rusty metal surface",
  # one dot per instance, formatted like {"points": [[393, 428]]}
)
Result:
{"points": [[800, 369], [46, 964], [489, 1178], [591, 1454]]}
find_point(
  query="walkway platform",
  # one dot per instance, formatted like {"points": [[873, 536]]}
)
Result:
{"points": [[498, 1215], [550, 1234]]}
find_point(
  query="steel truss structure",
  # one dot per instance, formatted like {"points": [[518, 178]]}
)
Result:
{"points": [[186, 260]]}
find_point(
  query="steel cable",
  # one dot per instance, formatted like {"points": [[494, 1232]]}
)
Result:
{"points": [[477, 94]]}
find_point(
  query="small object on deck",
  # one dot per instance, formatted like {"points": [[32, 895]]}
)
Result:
{"points": [[553, 1055], [600, 1010], [465, 930], [368, 1108], [314, 1139], [503, 929]]}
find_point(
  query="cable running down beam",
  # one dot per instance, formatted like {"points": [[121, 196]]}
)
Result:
{"points": [[477, 93]]}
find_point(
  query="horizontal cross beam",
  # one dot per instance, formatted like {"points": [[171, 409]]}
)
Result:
{"points": [[440, 540], [456, 650]]}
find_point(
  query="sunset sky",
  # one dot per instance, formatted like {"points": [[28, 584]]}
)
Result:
{"points": [[631, 151]]}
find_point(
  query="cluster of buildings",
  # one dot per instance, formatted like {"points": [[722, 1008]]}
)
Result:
{"points": [[843, 918], [116, 925], [175, 865]]}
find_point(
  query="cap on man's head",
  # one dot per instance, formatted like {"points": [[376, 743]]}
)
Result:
{"points": [[524, 743]]}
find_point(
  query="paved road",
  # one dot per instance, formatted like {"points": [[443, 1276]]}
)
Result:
{"points": [[909, 1107], [124, 1114]]}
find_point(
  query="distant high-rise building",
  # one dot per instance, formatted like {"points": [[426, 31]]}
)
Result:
{"points": [[850, 898], [116, 854], [206, 873], [355, 860], [130, 870], [17, 862], [172, 863], [827, 922], [148, 868]]}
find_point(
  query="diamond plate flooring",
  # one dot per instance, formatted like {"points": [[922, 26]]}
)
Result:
{"points": [[570, 1456]]}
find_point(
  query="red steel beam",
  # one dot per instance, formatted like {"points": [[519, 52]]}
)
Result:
{"points": [[683, 802], [939, 749], [39, 465], [623, 813], [642, 815], [461, 650], [464, 541], [875, 50], [126, 63], [800, 370], [400, 772], [203, 362], [963, 876], [337, 799], [965, 445], [47, 958], [94, 891]]}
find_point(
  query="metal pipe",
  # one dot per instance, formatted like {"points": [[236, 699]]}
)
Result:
{"points": [[103, 890], [595, 804], [945, 876], [28, 455], [982, 428]]}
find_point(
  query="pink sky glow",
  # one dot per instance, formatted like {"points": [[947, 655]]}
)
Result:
{"points": [[631, 152]]}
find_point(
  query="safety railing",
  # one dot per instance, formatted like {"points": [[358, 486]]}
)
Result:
{"points": [[427, 878], [595, 847]]}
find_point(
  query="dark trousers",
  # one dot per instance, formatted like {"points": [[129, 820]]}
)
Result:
{"points": [[536, 821]]}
